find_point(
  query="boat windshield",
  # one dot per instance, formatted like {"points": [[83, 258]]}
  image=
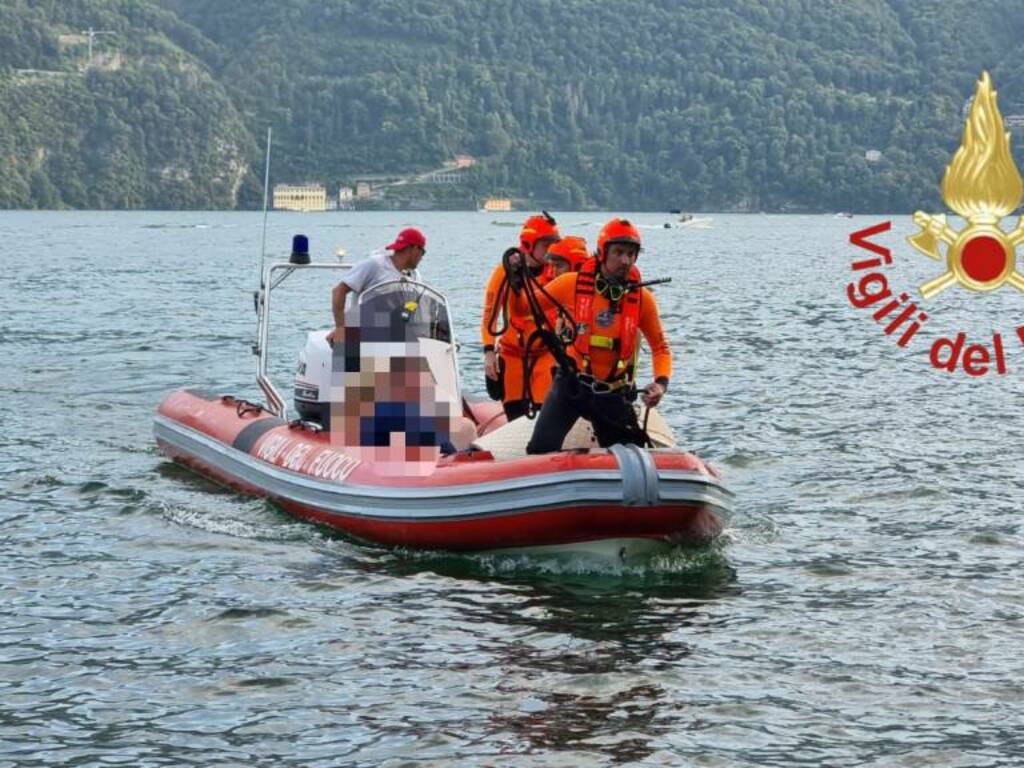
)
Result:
{"points": [[403, 311]]}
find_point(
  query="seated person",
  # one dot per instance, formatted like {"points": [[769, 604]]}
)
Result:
{"points": [[394, 403]]}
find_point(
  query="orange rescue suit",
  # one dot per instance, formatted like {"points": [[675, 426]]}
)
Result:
{"points": [[512, 346], [607, 325]]}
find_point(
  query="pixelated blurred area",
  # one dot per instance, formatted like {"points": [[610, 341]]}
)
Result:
{"points": [[389, 401], [397, 312], [393, 380]]}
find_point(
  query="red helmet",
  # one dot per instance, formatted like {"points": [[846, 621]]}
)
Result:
{"points": [[571, 249], [617, 231], [537, 228]]}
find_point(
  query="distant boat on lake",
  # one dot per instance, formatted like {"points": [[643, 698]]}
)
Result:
{"points": [[689, 221]]}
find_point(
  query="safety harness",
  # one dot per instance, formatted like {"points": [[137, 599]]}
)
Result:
{"points": [[589, 281]]}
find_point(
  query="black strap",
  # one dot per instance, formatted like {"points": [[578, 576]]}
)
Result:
{"points": [[545, 329]]}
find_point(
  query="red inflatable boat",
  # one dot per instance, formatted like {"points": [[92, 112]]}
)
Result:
{"points": [[485, 494]]}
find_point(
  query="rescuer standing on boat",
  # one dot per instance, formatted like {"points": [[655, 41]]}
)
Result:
{"points": [[610, 308], [567, 255], [406, 252], [511, 369]]}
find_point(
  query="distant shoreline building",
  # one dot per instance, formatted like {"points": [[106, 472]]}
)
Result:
{"points": [[300, 197], [346, 196], [497, 204]]}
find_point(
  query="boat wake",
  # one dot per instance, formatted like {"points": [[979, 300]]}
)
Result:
{"points": [[257, 520]]}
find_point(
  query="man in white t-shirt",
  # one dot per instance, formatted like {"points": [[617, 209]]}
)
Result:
{"points": [[406, 252]]}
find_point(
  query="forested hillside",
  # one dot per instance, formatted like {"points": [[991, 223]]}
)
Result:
{"points": [[146, 125], [570, 103]]}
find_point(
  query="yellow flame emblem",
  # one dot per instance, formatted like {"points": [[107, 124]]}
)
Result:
{"points": [[983, 185]]}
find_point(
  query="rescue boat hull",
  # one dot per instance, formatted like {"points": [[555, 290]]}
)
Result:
{"points": [[625, 498]]}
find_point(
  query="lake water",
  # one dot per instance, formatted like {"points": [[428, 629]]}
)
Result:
{"points": [[864, 607]]}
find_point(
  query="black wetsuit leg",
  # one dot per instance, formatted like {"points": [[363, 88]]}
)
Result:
{"points": [[614, 420], [560, 411]]}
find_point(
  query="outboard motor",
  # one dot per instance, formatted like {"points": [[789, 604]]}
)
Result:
{"points": [[313, 379]]}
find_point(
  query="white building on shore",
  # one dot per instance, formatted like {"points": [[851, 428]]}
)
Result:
{"points": [[300, 197]]}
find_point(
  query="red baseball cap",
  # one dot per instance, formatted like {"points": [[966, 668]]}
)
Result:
{"points": [[408, 236]]}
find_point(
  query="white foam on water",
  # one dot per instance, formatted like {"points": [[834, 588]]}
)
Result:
{"points": [[247, 519]]}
